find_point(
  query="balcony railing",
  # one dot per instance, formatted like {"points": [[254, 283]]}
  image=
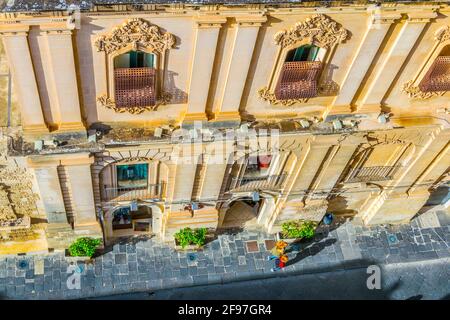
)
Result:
{"points": [[152, 191], [257, 183], [298, 80], [367, 174], [135, 87], [438, 77]]}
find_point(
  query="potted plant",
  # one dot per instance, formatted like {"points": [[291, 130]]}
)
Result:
{"points": [[297, 230], [188, 238], [83, 248]]}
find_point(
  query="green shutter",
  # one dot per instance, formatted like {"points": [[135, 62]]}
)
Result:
{"points": [[149, 60]]}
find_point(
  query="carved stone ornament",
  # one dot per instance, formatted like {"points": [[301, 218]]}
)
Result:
{"points": [[268, 96], [319, 29], [109, 103], [443, 34], [414, 91], [138, 32]]}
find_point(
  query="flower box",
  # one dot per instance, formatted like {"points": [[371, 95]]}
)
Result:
{"points": [[70, 258], [279, 236]]}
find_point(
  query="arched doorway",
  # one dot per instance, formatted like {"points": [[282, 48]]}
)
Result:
{"points": [[242, 213]]}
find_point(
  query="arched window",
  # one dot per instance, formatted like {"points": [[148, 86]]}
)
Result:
{"points": [[300, 73], [438, 76], [135, 79]]}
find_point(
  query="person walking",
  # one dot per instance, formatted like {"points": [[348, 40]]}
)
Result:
{"points": [[280, 263], [277, 250]]}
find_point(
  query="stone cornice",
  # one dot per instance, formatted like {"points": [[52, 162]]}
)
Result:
{"points": [[251, 20], [209, 21]]}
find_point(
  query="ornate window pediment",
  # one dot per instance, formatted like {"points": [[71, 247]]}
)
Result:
{"points": [[434, 72], [319, 31], [138, 33], [135, 35]]}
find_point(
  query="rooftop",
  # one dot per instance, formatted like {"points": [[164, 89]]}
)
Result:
{"points": [[61, 5]]}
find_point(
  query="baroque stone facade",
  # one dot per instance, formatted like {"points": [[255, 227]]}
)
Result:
{"points": [[217, 149]]}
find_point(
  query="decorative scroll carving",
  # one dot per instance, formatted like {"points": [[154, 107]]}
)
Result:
{"points": [[137, 32], [319, 29], [266, 95], [414, 91], [109, 103], [443, 34]]}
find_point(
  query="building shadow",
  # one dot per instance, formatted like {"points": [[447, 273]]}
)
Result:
{"points": [[309, 250]]}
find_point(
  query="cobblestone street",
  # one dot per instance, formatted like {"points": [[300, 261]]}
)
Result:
{"points": [[146, 265]]}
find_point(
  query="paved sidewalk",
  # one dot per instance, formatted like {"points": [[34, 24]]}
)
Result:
{"points": [[148, 265]]}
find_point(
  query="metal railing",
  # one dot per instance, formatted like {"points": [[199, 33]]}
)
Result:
{"points": [[152, 191], [257, 183], [367, 174], [438, 77], [135, 87], [298, 80]]}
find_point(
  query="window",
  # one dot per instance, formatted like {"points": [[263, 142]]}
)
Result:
{"points": [[302, 52], [133, 176], [135, 66], [437, 78], [135, 79], [300, 73], [257, 166]]}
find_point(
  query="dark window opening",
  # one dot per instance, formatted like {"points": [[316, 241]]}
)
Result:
{"points": [[133, 176], [258, 166], [303, 53], [135, 59]]}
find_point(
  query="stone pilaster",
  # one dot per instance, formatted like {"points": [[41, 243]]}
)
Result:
{"points": [[50, 189], [396, 56], [64, 90], [376, 32], [15, 40], [79, 176], [239, 64], [207, 33]]}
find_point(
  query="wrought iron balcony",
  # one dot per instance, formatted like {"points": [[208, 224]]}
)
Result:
{"points": [[152, 191], [438, 77], [257, 183], [367, 174], [135, 87], [298, 80]]}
